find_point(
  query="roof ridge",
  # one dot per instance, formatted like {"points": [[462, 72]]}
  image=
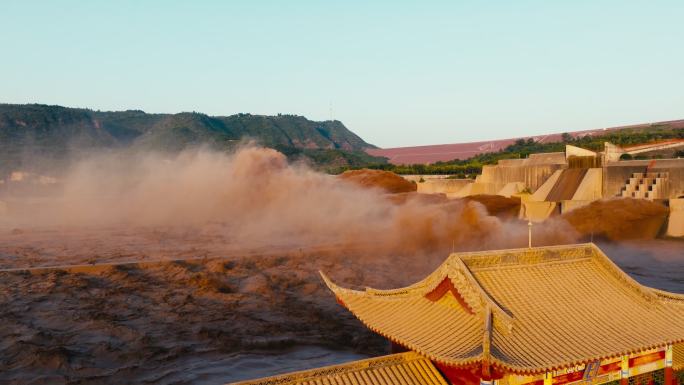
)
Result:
{"points": [[433, 279], [525, 256], [503, 320], [545, 263], [476, 339], [646, 292], [425, 285], [522, 249], [338, 291], [308, 374], [420, 288], [487, 344], [667, 296], [460, 276], [334, 287]]}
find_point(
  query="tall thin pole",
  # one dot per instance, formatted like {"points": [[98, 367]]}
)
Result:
{"points": [[529, 233]]}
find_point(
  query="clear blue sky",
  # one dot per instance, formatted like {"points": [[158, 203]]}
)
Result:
{"points": [[397, 72]]}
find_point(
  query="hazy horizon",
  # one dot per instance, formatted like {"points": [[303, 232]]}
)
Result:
{"points": [[395, 73]]}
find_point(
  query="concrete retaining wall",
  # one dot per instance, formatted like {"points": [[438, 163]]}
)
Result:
{"points": [[537, 211], [416, 178], [577, 151], [513, 188], [573, 204], [676, 181], [675, 225], [476, 188], [531, 176], [590, 187], [543, 190], [446, 186]]}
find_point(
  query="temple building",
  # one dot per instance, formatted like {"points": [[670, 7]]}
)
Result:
{"points": [[538, 316]]}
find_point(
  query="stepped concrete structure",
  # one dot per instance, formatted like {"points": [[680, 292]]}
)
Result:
{"points": [[532, 172], [540, 174], [617, 176], [563, 181], [657, 180], [649, 185], [565, 190], [511, 176], [537, 316]]}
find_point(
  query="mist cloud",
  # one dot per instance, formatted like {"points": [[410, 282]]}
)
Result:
{"points": [[258, 197]]}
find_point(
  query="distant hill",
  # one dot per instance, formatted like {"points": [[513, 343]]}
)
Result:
{"points": [[55, 132], [645, 141], [448, 152]]}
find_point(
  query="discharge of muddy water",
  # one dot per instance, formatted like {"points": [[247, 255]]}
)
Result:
{"points": [[257, 198], [251, 302]]}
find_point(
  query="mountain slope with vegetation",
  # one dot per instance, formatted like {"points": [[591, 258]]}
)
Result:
{"points": [[55, 133], [469, 168]]}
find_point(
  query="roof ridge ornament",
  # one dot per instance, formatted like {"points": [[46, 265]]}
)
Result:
{"points": [[446, 287], [487, 345]]}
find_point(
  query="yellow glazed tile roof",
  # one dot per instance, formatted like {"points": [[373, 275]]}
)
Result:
{"points": [[522, 310], [678, 357], [397, 369]]}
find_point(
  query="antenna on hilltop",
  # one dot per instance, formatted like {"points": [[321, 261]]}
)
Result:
{"points": [[331, 111]]}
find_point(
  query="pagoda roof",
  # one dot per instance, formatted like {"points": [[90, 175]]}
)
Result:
{"points": [[522, 310], [408, 368]]}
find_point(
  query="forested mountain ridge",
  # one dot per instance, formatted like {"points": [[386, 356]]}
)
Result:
{"points": [[55, 132]]}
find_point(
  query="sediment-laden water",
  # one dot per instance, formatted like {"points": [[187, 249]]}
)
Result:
{"points": [[254, 231], [219, 319]]}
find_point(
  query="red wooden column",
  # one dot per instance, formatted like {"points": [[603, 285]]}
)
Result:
{"points": [[669, 375]]}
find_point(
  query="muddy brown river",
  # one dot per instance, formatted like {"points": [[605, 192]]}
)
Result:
{"points": [[210, 320]]}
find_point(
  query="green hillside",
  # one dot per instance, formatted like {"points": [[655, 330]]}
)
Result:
{"points": [[31, 134], [469, 168]]}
